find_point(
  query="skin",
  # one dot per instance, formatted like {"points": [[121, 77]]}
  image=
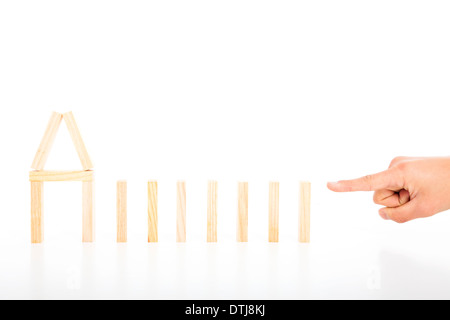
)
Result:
{"points": [[410, 188]]}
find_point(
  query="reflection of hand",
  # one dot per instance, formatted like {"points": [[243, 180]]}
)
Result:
{"points": [[411, 188]]}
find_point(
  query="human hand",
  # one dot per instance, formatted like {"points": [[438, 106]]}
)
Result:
{"points": [[411, 188]]}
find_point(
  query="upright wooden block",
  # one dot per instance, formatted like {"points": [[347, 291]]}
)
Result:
{"points": [[304, 211], [242, 219], [37, 212], [121, 211], [88, 211], [212, 212], [152, 211], [181, 211], [47, 141], [274, 188], [78, 141]]}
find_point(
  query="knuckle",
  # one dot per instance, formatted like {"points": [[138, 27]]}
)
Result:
{"points": [[376, 198], [402, 166], [399, 218], [399, 172], [396, 160], [368, 180]]}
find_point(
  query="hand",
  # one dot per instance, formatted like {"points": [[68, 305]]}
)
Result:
{"points": [[411, 188]]}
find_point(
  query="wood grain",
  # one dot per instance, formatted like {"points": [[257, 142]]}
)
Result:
{"points": [[181, 211], [88, 219], [274, 188], [242, 218], [47, 141], [304, 212], [37, 212], [212, 212], [121, 211], [41, 176], [78, 141], [152, 211]]}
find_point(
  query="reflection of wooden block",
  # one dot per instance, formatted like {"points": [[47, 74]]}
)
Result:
{"points": [[37, 212], [181, 211], [47, 141], [212, 212], [88, 211], [274, 188], [121, 211], [152, 211], [61, 175], [78, 141], [304, 214], [242, 219]]}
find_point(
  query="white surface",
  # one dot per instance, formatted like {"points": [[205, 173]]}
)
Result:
{"points": [[363, 269], [236, 90]]}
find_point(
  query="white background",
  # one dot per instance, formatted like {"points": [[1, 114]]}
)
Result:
{"points": [[229, 90]]}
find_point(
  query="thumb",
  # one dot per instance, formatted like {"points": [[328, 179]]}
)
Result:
{"points": [[403, 213], [389, 179]]}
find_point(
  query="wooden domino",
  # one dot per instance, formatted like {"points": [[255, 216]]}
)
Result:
{"points": [[47, 141], [304, 211], [242, 219], [152, 211], [121, 211], [274, 188], [181, 211], [212, 212], [78, 141], [88, 211], [41, 176], [37, 212]]}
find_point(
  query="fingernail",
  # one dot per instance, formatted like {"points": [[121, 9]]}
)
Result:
{"points": [[383, 215]]}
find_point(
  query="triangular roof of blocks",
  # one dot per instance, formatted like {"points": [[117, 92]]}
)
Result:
{"points": [[49, 136]]}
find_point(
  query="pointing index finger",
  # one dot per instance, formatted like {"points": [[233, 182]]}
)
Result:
{"points": [[382, 180]]}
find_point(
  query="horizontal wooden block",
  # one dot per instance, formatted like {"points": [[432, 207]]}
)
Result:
{"points": [[41, 176]]}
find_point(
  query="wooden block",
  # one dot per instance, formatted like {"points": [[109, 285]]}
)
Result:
{"points": [[152, 211], [41, 176], [88, 211], [47, 141], [304, 211], [181, 211], [274, 188], [37, 212], [212, 212], [78, 141], [121, 211], [242, 219]]}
